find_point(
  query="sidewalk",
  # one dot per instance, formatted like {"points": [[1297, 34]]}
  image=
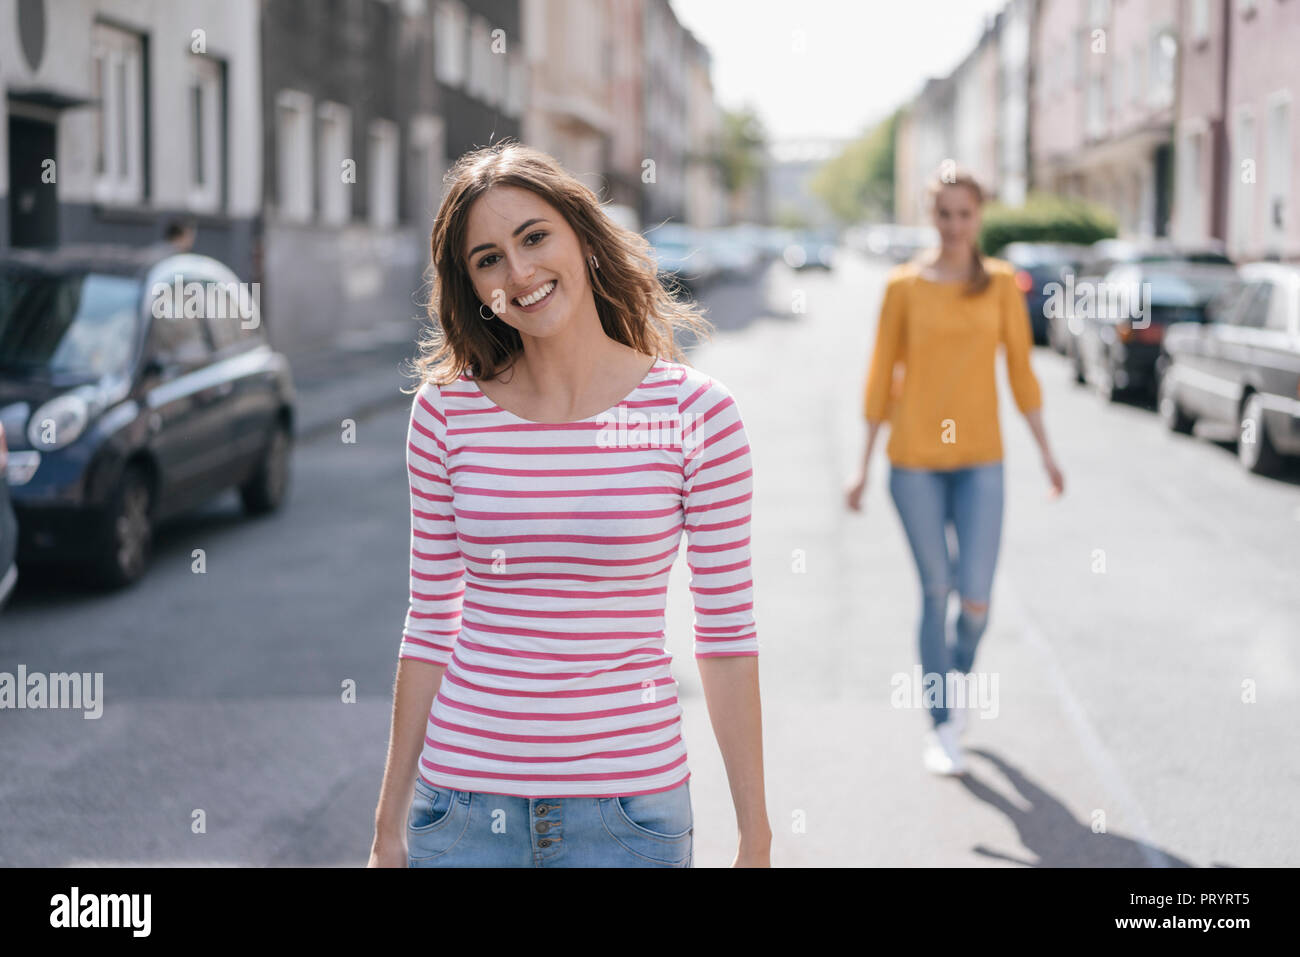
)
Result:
{"points": [[356, 378]]}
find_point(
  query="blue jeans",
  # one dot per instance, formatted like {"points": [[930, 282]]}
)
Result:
{"points": [[451, 828], [970, 501]]}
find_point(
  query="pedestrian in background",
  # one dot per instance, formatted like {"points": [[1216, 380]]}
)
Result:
{"points": [[535, 713], [181, 233], [941, 321]]}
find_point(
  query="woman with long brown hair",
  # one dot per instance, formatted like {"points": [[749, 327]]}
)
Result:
{"points": [[942, 320], [558, 446]]}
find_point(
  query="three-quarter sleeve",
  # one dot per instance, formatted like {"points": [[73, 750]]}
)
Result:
{"points": [[716, 498], [885, 354], [437, 587], [1018, 339]]}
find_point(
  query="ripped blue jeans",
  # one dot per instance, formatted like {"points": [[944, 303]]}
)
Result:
{"points": [[930, 502]]}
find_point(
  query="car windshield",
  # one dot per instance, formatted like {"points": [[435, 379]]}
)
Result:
{"points": [[1031, 256], [1186, 288], [83, 323]]}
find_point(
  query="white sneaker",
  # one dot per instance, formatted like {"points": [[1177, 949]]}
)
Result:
{"points": [[943, 753]]}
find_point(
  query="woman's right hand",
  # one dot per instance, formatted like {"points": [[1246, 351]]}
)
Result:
{"points": [[853, 491]]}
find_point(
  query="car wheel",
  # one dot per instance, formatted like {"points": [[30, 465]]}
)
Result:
{"points": [[1171, 412], [128, 539], [1257, 456], [266, 489], [1056, 335]]}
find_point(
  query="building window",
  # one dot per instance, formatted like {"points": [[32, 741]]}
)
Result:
{"points": [[196, 135], [381, 196], [480, 53], [1096, 105], [1200, 20], [118, 79], [516, 84], [1279, 165], [293, 155], [98, 84], [498, 73], [449, 24], [425, 169], [1117, 89], [334, 136], [1164, 48], [1190, 192], [1243, 192], [207, 151]]}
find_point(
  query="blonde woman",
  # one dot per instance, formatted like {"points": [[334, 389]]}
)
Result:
{"points": [[558, 447], [941, 323]]}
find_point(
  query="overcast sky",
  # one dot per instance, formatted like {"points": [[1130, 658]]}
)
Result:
{"points": [[860, 58]]}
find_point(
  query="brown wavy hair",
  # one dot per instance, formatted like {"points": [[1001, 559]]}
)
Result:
{"points": [[635, 308], [978, 279]]}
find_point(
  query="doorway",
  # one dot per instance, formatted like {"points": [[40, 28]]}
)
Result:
{"points": [[33, 204]]}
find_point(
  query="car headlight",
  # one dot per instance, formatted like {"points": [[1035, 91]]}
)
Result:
{"points": [[61, 420]]}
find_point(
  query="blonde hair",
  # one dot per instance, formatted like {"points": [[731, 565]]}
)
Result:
{"points": [[634, 307], [948, 175]]}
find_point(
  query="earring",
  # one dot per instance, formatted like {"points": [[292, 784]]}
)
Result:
{"points": [[594, 264], [489, 309]]}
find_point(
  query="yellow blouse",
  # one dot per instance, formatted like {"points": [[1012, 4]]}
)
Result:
{"points": [[932, 369]]}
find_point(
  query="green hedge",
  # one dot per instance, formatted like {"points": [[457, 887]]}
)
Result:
{"points": [[1045, 219]]}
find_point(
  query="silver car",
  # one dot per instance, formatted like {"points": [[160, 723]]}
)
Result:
{"points": [[1243, 367]]}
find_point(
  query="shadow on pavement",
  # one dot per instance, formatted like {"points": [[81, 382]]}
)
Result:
{"points": [[1051, 833]]}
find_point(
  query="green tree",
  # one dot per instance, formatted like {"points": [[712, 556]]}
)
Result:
{"points": [[743, 145], [1045, 218], [858, 184]]}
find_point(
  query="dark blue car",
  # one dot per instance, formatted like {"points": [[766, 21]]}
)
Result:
{"points": [[133, 386], [1040, 268]]}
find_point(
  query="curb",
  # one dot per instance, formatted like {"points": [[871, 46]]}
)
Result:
{"points": [[318, 425]]}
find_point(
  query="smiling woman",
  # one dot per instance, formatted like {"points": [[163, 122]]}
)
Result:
{"points": [[511, 222], [545, 519]]}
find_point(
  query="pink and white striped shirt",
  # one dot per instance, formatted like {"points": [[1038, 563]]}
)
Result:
{"points": [[540, 555]]}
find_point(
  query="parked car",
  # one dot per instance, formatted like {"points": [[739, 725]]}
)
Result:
{"points": [[1243, 367], [1038, 265], [128, 396], [870, 239], [909, 241], [1063, 331], [1121, 335], [683, 255], [759, 238], [810, 249], [8, 528], [774, 239], [734, 253]]}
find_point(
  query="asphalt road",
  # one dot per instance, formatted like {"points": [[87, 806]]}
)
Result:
{"points": [[1121, 735]]}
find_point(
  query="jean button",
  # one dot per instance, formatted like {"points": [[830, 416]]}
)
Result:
{"points": [[544, 842], [542, 809]]}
